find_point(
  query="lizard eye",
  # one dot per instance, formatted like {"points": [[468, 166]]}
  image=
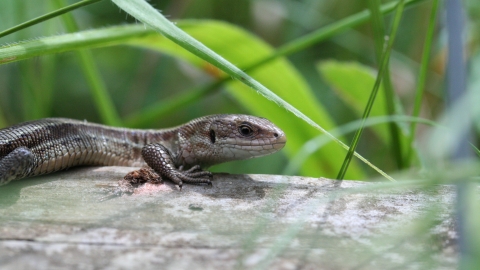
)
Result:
{"points": [[245, 130]]}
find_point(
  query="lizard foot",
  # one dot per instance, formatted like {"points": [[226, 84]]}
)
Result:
{"points": [[194, 175], [159, 158]]}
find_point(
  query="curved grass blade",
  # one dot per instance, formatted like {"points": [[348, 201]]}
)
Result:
{"points": [[54, 44], [384, 63], [145, 13], [316, 143], [241, 47]]}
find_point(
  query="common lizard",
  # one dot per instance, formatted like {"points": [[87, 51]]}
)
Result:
{"points": [[180, 154]]}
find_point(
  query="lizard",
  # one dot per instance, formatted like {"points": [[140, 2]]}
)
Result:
{"points": [[180, 154]]}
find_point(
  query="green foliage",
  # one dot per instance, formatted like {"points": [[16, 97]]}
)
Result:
{"points": [[220, 44], [322, 68], [339, 76], [290, 88]]}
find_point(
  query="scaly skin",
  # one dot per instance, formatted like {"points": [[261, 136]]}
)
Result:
{"points": [[48, 145]]}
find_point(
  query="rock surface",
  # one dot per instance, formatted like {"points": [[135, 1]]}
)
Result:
{"points": [[67, 220]]}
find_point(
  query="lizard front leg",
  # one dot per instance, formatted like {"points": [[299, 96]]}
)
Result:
{"points": [[17, 164], [159, 158]]}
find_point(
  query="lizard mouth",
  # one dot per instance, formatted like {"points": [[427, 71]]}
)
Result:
{"points": [[261, 147]]}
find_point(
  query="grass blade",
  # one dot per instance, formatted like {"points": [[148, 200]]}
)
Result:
{"points": [[47, 16], [383, 65], [316, 143], [379, 33], [427, 47], [145, 13], [156, 110], [97, 87]]}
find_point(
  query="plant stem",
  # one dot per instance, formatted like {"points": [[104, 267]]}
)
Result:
{"points": [[46, 17], [383, 64]]}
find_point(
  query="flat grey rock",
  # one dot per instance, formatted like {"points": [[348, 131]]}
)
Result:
{"points": [[68, 220]]}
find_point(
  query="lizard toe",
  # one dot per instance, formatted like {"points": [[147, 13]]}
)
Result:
{"points": [[194, 169]]}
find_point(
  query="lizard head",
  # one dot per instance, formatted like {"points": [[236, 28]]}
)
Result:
{"points": [[223, 138]]}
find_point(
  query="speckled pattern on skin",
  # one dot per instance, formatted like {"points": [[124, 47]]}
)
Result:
{"points": [[180, 154]]}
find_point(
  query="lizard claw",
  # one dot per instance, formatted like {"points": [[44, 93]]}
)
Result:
{"points": [[191, 176], [158, 157], [195, 168]]}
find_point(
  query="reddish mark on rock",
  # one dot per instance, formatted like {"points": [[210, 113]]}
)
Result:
{"points": [[149, 188]]}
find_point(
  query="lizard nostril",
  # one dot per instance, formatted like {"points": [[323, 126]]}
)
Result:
{"points": [[275, 134]]}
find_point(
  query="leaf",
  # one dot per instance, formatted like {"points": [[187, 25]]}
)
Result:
{"points": [[353, 82]]}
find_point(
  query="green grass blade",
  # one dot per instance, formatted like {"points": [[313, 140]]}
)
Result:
{"points": [[389, 106], [334, 29], [157, 110], [340, 75], [143, 12], [422, 78], [119, 34], [241, 47], [383, 65], [97, 87], [70, 42], [475, 149], [98, 90], [318, 142], [378, 27], [47, 16], [95, 38], [30, 108]]}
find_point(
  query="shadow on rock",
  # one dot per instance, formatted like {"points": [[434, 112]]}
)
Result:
{"points": [[10, 193]]}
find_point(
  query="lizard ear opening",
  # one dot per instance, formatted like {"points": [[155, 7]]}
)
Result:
{"points": [[212, 136]]}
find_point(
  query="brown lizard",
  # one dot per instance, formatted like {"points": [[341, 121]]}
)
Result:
{"points": [[180, 154]]}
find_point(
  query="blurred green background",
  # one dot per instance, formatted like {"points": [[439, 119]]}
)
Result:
{"points": [[336, 75]]}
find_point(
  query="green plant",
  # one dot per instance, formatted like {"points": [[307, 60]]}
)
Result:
{"points": [[206, 66]]}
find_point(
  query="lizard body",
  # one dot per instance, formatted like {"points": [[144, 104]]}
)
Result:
{"points": [[48, 145]]}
